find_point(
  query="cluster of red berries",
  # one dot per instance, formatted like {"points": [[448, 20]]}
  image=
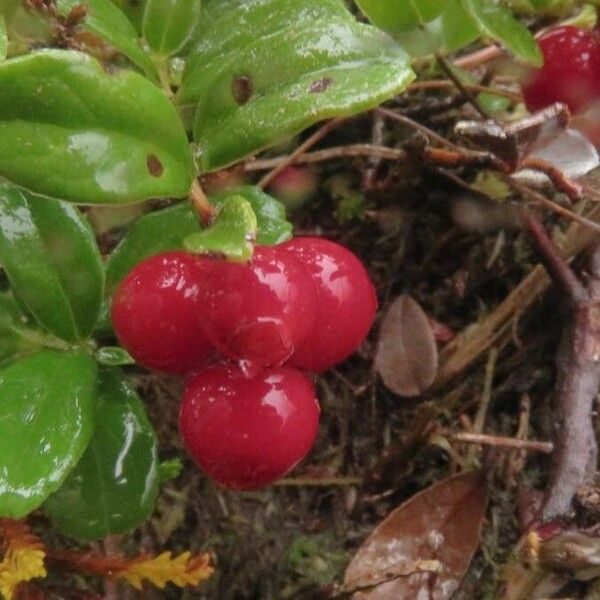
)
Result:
{"points": [[249, 415], [571, 70]]}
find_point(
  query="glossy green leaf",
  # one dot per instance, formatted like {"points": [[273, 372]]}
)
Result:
{"points": [[166, 229], [263, 70], [46, 423], [113, 488], [232, 234], [109, 23], [168, 24], [395, 16], [52, 261], [497, 22], [71, 130]]}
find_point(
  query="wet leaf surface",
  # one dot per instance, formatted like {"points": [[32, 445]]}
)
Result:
{"points": [[433, 535], [406, 357], [90, 133], [255, 75]]}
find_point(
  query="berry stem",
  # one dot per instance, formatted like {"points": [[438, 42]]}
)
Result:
{"points": [[203, 208]]}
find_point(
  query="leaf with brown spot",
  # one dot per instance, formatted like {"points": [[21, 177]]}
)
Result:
{"points": [[423, 548], [407, 356]]}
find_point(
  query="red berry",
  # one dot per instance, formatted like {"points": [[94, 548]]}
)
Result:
{"points": [[247, 432], [571, 70], [155, 312], [346, 302], [258, 311]]}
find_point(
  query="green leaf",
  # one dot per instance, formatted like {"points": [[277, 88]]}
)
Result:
{"points": [[166, 229], [263, 70], [109, 23], [113, 488], [134, 10], [113, 356], [497, 22], [168, 24], [52, 261], [3, 39], [18, 338], [273, 226], [457, 27], [395, 16], [46, 422], [71, 130], [232, 235]]}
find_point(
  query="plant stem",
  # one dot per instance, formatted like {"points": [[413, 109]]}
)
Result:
{"points": [[203, 208]]}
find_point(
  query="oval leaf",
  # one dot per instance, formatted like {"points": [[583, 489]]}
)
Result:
{"points": [[497, 22], [424, 547], [52, 261], [106, 21], [168, 24], [113, 488], [395, 16], [266, 69], [166, 229], [71, 130], [406, 357], [46, 422]]}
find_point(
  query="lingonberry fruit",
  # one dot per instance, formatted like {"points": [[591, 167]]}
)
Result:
{"points": [[155, 312], [346, 302], [571, 70], [258, 311], [246, 432]]}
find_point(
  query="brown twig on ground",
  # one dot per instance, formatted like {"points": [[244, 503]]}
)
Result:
{"points": [[504, 442], [469, 344], [574, 458], [443, 84], [432, 135], [317, 136], [468, 96], [479, 57]]}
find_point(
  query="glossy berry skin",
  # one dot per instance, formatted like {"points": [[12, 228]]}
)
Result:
{"points": [[346, 303], [247, 432], [155, 312], [259, 311], [571, 70]]}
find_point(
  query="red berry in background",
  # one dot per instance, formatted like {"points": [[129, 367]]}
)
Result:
{"points": [[294, 186], [258, 311], [571, 70], [346, 302], [247, 432], [155, 312]]}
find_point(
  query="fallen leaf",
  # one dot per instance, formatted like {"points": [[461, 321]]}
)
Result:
{"points": [[406, 357], [570, 152], [423, 548]]}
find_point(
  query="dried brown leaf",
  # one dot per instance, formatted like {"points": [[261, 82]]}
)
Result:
{"points": [[424, 547], [406, 357]]}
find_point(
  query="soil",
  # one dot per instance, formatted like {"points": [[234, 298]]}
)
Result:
{"points": [[293, 540]]}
